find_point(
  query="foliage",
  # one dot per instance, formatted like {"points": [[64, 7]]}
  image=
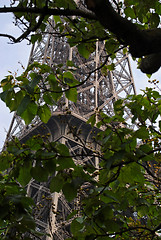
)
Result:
{"points": [[124, 193], [24, 93], [123, 198]]}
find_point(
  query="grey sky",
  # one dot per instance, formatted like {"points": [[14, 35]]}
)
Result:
{"points": [[12, 54]]}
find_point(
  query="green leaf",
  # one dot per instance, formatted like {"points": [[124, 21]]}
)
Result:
{"points": [[30, 112], [112, 225], [3, 95], [145, 148], [68, 75], [57, 93], [50, 166], [92, 120], [39, 173], [35, 79], [57, 19], [65, 162], [76, 227], [111, 45], [154, 20], [32, 108], [28, 223], [23, 105], [71, 64], [62, 149], [45, 68], [130, 12], [118, 107], [132, 173], [56, 183], [36, 37], [6, 83], [142, 210], [4, 161], [111, 67], [44, 113], [48, 98], [69, 191], [15, 103], [103, 215], [65, 4], [125, 50], [104, 71], [10, 98], [69, 79], [106, 198], [35, 143], [52, 81], [142, 133], [24, 174], [83, 50], [27, 116], [71, 94]]}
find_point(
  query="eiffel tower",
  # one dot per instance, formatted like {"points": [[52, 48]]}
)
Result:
{"points": [[98, 93]]}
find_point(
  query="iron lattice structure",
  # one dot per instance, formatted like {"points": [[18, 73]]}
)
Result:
{"points": [[98, 93], [52, 210]]}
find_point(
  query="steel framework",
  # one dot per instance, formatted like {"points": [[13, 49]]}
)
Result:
{"points": [[99, 92], [52, 210]]}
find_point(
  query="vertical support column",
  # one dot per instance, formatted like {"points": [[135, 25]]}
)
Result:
{"points": [[114, 94], [132, 79], [53, 40], [70, 59], [97, 166], [52, 228], [52, 224], [96, 81]]}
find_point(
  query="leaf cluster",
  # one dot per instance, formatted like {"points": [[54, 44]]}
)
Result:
{"points": [[119, 197], [24, 94], [123, 193]]}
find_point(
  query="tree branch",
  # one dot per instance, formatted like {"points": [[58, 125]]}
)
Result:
{"points": [[30, 29], [141, 42], [8, 36], [43, 12], [50, 11]]}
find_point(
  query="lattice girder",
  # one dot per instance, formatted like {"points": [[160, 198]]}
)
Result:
{"points": [[52, 209], [99, 92]]}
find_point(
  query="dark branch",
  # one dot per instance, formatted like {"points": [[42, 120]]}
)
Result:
{"points": [[141, 42], [43, 12], [8, 36], [49, 11], [30, 29]]}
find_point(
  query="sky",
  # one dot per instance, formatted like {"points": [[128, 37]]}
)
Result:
{"points": [[12, 54]]}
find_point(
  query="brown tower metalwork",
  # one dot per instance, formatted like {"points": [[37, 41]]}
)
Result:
{"points": [[98, 93]]}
